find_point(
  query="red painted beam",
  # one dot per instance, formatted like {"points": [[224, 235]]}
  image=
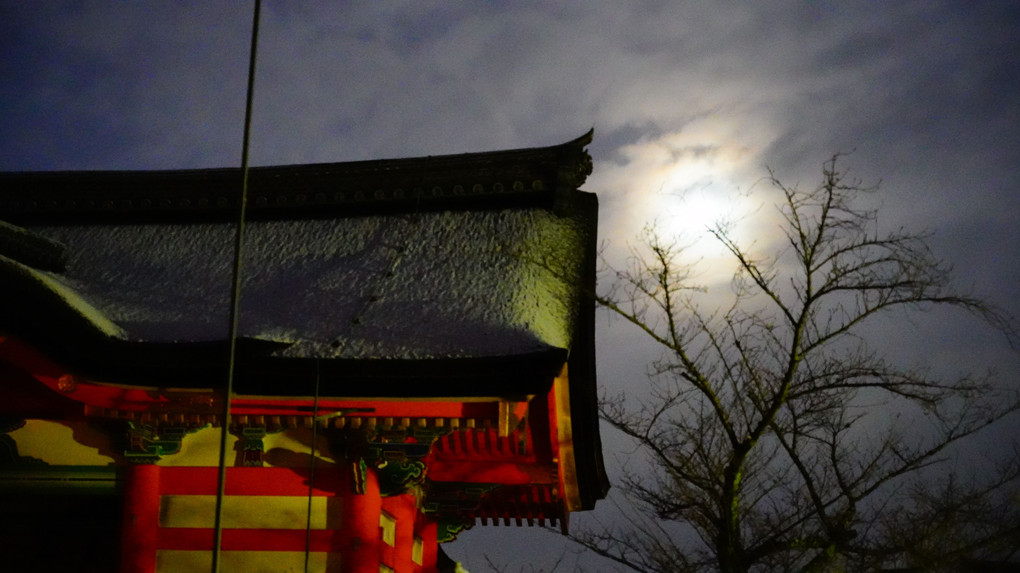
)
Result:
{"points": [[170, 401], [377, 408], [507, 473]]}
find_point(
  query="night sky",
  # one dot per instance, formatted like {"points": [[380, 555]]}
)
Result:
{"points": [[690, 101]]}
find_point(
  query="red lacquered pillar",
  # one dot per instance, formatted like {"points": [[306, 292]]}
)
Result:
{"points": [[140, 529], [404, 512], [430, 545], [361, 549]]}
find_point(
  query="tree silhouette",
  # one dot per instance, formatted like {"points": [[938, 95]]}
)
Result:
{"points": [[779, 438]]}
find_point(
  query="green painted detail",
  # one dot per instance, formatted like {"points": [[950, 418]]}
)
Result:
{"points": [[448, 528], [147, 444], [252, 447], [360, 469], [401, 444], [395, 478]]}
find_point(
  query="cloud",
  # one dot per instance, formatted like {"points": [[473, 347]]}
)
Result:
{"points": [[691, 102], [126, 86], [926, 93], [688, 98]]}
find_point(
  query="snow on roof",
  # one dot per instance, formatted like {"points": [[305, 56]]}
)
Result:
{"points": [[16, 272], [407, 285]]}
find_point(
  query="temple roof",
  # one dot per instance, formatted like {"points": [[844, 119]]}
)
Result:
{"points": [[542, 176], [435, 258], [465, 275]]}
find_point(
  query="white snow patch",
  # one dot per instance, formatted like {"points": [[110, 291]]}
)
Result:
{"points": [[70, 298], [446, 284]]}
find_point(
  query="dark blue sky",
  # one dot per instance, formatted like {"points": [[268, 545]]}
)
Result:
{"points": [[690, 98]]}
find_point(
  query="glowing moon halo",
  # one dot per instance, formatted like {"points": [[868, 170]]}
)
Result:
{"points": [[696, 196]]}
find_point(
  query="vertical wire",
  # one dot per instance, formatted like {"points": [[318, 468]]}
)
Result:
{"points": [[311, 467], [235, 295]]}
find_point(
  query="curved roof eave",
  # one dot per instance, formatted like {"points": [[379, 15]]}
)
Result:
{"points": [[541, 176]]}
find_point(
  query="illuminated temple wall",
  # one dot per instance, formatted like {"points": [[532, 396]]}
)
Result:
{"points": [[269, 515], [281, 515], [415, 357]]}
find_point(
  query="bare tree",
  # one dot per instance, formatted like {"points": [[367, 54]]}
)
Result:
{"points": [[778, 438]]}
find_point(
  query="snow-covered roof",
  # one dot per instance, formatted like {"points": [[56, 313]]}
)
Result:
{"points": [[436, 284], [462, 256], [466, 276]]}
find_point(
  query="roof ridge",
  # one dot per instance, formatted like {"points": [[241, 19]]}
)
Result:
{"points": [[540, 176]]}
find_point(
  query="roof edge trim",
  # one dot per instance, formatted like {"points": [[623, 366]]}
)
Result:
{"points": [[493, 179]]}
